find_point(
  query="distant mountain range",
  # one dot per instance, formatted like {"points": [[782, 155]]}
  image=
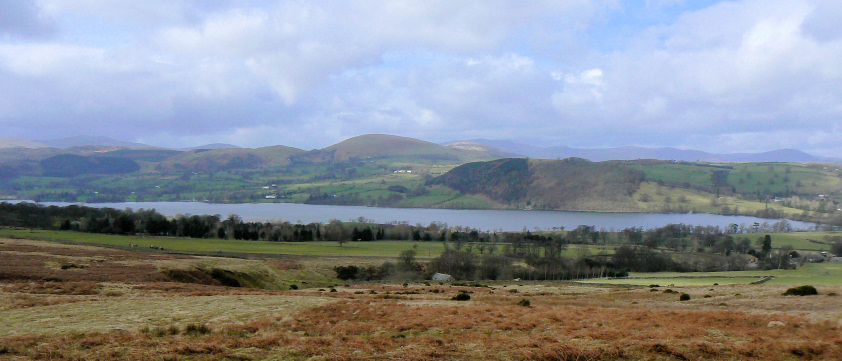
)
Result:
{"points": [[88, 141], [632, 153], [84, 140], [99, 153], [499, 148], [9, 142]]}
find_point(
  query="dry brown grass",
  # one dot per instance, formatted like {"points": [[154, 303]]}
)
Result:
{"points": [[134, 315]]}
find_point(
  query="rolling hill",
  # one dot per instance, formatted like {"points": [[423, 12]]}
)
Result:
{"points": [[10, 142], [386, 170], [70, 165], [384, 146], [80, 141], [569, 184], [209, 160]]}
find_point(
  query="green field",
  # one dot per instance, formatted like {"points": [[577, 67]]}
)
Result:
{"points": [[221, 246], [778, 177], [826, 273], [812, 241], [678, 173], [671, 199]]}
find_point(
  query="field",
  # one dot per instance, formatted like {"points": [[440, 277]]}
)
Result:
{"points": [[669, 199], [72, 302], [384, 248], [813, 274]]}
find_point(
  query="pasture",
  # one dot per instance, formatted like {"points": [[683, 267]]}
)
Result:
{"points": [[825, 273]]}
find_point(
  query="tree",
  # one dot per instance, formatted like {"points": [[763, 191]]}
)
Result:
{"points": [[836, 248], [460, 265], [767, 244], [407, 258]]}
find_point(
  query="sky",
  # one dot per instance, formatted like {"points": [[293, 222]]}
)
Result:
{"points": [[718, 76]]}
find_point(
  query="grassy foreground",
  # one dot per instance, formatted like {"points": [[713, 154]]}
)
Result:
{"points": [[71, 302]]}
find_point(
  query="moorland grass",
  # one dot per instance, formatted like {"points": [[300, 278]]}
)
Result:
{"points": [[147, 319]]}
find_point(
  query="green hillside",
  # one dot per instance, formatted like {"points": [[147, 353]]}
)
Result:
{"points": [[69, 165], [214, 160], [396, 148], [653, 186], [773, 179]]}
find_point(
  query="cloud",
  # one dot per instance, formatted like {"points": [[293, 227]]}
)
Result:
{"points": [[201, 69], [23, 18], [715, 76], [702, 75]]}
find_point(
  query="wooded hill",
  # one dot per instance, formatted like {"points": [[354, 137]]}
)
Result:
{"points": [[568, 184]]}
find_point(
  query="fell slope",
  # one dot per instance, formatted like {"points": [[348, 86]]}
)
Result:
{"points": [[568, 184], [204, 160], [381, 146]]}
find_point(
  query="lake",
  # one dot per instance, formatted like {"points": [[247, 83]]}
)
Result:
{"points": [[488, 220]]}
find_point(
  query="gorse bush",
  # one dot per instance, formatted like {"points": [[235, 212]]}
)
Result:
{"points": [[805, 290], [462, 296], [197, 329], [684, 297]]}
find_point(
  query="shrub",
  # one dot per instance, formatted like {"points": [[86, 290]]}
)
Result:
{"points": [[669, 290], [805, 290], [196, 329], [332, 290], [346, 272], [293, 287], [684, 297], [524, 302], [461, 297], [513, 291]]}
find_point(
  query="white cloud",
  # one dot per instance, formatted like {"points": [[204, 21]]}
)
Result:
{"points": [[311, 73], [726, 72]]}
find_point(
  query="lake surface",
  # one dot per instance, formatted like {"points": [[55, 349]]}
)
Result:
{"points": [[488, 220]]}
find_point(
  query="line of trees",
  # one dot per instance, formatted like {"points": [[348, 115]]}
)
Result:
{"points": [[469, 253]]}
